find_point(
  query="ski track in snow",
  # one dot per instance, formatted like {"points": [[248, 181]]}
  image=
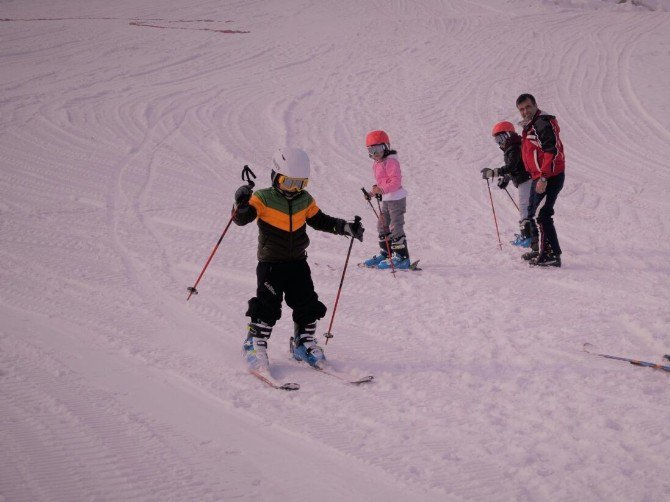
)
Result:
{"points": [[122, 146]]}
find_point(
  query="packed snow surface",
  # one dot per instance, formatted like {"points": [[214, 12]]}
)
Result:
{"points": [[123, 130]]}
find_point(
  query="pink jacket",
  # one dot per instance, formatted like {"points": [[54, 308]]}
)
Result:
{"points": [[389, 178]]}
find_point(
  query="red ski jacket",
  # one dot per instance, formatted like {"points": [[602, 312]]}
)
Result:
{"points": [[541, 147]]}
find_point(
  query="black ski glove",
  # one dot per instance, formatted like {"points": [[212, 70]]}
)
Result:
{"points": [[489, 173], [503, 181], [243, 194], [355, 229]]}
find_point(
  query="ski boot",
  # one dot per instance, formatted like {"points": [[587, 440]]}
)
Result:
{"points": [[399, 262], [376, 259], [547, 260], [534, 248], [521, 241], [304, 346], [524, 239], [255, 346], [400, 256]]}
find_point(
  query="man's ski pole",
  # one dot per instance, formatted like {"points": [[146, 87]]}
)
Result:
{"points": [[512, 199], [246, 171], [329, 333], [494, 213]]}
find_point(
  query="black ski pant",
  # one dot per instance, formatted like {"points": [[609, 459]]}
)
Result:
{"points": [[290, 279], [543, 205]]}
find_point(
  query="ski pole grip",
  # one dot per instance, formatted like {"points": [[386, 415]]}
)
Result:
{"points": [[247, 173], [365, 194]]}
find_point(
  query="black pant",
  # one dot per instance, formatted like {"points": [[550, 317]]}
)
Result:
{"points": [[545, 221], [292, 279]]}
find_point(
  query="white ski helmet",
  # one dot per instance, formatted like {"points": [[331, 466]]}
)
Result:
{"points": [[291, 162]]}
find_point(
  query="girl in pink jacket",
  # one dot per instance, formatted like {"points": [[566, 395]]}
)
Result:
{"points": [[388, 187]]}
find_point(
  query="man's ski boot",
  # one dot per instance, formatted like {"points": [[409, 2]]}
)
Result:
{"points": [[304, 346], [547, 260], [530, 255], [255, 346]]}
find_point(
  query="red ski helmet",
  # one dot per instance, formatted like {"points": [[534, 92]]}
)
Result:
{"points": [[377, 138], [503, 126]]}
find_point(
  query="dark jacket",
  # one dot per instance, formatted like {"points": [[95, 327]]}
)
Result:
{"points": [[282, 234], [541, 146], [514, 167]]}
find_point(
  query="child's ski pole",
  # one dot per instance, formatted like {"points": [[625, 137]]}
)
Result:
{"points": [[329, 333], [494, 213], [246, 171], [512, 199]]}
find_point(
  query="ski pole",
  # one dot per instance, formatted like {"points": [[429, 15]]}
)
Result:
{"points": [[246, 171], [386, 237], [588, 349], [494, 213], [512, 199], [328, 334], [367, 197]]}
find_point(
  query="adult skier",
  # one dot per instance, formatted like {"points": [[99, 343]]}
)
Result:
{"points": [[506, 137], [283, 211], [544, 159]]}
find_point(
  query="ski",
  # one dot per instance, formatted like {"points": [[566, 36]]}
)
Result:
{"points": [[330, 371], [636, 362], [413, 267], [270, 381]]}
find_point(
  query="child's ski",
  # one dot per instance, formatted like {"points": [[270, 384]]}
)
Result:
{"points": [[330, 371], [647, 364], [414, 266], [269, 380]]}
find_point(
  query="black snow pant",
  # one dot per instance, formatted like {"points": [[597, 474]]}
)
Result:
{"points": [[543, 204], [292, 279]]}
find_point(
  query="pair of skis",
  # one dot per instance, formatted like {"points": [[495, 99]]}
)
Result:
{"points": [[414, 266], [268, 379], [588, 348]]}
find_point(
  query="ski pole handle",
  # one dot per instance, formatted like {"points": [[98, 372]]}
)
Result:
{"points": [[246, 171]]}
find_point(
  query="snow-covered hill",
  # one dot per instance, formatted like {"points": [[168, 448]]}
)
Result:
{"points": [[123, 129]]}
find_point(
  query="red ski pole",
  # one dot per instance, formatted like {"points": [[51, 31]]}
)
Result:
{"points": [[494, 213], [246, 171], [328, 334]]}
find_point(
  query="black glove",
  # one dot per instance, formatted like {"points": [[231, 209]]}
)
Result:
{"points": [[243, 194], [503, 181], [489, 173], [355, 229]]}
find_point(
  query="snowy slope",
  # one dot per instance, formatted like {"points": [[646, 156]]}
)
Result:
{"points": [[123, 130]]}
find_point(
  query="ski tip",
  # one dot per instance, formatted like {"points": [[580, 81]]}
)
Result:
{"points": [[366, 379], [290, 386]]}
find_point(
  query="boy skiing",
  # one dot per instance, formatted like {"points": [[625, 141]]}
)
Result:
{"points": [[504, 134], [388, 186], [283, 211]]}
